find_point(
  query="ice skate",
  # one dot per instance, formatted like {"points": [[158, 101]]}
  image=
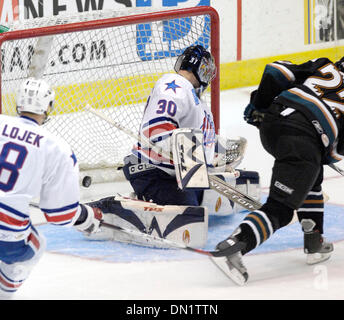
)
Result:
{"points": [[232, 266], [315, 246]]}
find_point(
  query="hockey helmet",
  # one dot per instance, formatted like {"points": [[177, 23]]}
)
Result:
{"points": [[200, 62], [35, 96]]}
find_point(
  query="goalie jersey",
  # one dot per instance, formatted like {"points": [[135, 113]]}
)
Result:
{"points": [[34, 164], [315, 88], [173, 103]]}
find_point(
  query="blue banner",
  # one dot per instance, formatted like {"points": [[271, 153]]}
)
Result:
{"points": [[172, 30]]}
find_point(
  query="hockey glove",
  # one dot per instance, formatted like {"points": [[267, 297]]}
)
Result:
{"points": [[252, 115], [89, 219]]}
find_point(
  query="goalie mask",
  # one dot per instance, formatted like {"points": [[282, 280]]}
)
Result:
{"points": [[200, 62], [35, 96]]}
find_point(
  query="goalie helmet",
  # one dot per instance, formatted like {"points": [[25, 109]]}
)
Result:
{"points": [[35, 96], [200, 62]]}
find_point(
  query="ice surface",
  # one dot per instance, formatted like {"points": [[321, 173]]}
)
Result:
{"points": [[74, 268]]}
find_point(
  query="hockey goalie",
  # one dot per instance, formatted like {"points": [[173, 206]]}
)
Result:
{"points": [[169, 167]]}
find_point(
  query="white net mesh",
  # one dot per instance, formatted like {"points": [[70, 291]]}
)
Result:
{"points": [[112, 69]]}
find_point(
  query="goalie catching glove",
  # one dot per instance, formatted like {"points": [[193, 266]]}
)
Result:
{"points": [[229, 152], [89, 219]]}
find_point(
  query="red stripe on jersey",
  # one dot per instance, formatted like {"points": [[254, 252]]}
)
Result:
{"points": [[14, 222], [153, 155], [60, 218], [159, 129], [34, 240], [9, 284]]}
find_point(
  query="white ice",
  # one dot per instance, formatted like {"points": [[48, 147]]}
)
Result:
{"points": [[277, 275]]}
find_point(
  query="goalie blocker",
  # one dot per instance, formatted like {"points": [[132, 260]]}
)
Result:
{"points": [[192, 172], [189, 159]]}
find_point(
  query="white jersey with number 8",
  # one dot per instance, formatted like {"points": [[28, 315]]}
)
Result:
{"points": [[34, 163]]}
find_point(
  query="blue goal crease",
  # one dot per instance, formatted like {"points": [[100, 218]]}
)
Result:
{"points": [[71, 242]]}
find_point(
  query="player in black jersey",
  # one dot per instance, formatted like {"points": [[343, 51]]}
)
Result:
{"points": [[299, 112]]}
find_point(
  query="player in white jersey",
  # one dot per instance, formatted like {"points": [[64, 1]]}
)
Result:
{"points": [[175, 102], [34, 163], [168, 211]]}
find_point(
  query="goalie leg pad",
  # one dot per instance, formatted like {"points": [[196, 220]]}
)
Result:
{"points": [[247, 182], [187, 225]]}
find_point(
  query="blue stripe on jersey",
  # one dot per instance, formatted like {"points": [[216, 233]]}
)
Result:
{"points": [[62, 224], [160, 138], [30, 119], [72, 206], [9, 279], [29, 225], [195, 97], [12, 210], [312, 107], [155, 120]]}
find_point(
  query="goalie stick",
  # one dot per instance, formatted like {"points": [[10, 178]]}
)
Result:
{"points": [[215, 183], [150, 238]]}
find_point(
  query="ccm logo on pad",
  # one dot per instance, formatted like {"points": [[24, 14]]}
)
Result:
{"points": [[284, 188]]}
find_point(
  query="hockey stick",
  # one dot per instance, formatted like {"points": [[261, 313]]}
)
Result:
{"points": [[335, 168], [215, 183], [149, 238], [233, 194]]}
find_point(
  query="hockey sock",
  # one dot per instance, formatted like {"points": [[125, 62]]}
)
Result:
{"points": [[313, 208], [259, 225], [254, 230]]}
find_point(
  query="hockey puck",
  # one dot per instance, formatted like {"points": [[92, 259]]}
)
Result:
{"points": [[86, 181]]}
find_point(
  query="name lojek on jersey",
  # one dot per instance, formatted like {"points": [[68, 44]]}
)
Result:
{"points": [[34, 164], [173, 103], [26, 136]]}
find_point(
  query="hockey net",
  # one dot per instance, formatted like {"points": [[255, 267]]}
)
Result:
{"points": [[110, 60]]}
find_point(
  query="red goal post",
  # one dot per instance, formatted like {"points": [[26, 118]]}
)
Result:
{"points": [[108, 60]]}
